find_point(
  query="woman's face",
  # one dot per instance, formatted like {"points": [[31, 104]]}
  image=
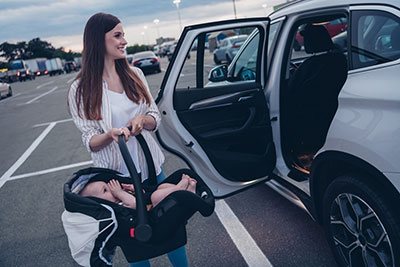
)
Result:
{"points": [[115, 42]]}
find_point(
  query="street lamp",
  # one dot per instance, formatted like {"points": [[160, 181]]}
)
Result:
{"points": [[142, 33], [177, 2], [156, 21], [234, 8]]}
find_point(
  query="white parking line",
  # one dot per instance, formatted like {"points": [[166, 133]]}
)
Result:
{"points": [[44, 84], [6, 176], [25, 175], [251, 253], [47, 123], [40, 96]]}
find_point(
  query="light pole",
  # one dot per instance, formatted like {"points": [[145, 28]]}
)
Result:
{"points": [[142, 33], [234, 8], [156, 21], [177, 2]]}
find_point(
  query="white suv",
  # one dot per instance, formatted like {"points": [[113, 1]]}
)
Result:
{"points": [[322, 122]]}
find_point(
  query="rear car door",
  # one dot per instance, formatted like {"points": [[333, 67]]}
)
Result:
{"points": [[216, 117]]}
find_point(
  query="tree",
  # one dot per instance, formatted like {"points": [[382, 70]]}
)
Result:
{"points": [[7, 50], [136, 48], [40, 48]]}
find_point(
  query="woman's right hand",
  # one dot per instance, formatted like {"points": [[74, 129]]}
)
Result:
{"points": [[115, 132]]}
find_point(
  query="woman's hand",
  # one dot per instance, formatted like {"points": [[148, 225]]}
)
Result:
{"points": [[115, 132], [137, 124]]}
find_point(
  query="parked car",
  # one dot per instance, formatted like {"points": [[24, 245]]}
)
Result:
{"points": [[5, 89], [70, 66], [147, 61], [228, 48], [321, 125]]}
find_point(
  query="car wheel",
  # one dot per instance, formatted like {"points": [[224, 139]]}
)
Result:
{"points": [[361, 225], [9, 91], [216, 60]]}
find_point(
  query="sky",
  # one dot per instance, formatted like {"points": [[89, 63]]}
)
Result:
{"points": [[62, 22]]}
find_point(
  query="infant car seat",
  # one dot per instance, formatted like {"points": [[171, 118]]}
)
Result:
{"points": [[95, 227]]}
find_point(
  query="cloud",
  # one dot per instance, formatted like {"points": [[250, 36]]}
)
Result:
{"points": [[62, 22]]}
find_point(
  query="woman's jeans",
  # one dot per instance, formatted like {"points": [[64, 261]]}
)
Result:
{"points": [[177, 257]]}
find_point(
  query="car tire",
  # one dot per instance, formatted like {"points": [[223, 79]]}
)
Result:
{"points": [[360, 220], [216, 60], [9, 91]]}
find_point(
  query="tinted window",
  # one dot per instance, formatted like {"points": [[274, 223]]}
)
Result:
{"points": [[375, 38], [220, 48]]}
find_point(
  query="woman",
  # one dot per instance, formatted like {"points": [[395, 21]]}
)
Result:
{"points": [[107, 97]]}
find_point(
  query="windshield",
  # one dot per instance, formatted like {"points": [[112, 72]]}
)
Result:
{"points": [[15, 65]]}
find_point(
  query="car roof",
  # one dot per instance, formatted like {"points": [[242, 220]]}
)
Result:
{"points": [[304, 5], [143, 54]]}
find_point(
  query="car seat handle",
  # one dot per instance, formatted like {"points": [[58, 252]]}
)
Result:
{"points": [[143, 231]]}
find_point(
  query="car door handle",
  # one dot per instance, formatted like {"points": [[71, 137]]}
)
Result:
{"points": [[244, 98]]}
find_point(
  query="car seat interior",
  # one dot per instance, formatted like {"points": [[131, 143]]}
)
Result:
{"points": [[311, 97]]}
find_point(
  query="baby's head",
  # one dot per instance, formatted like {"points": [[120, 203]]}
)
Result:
{"points": [[98, 189]]}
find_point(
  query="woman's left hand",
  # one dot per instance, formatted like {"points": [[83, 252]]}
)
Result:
{"points": [[137, 124]]}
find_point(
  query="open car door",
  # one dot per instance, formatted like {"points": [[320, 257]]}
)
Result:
{"points": [[215, 116]]}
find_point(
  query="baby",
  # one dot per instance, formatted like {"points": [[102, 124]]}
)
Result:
{"points": [[123, 193]]}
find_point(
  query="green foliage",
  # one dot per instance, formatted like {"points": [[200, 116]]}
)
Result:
{"points": [[35, 48], [137, 48]]}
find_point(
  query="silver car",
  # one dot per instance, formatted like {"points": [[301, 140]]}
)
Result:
{"points": [[228, 48], [321, 124], [5, 89]]}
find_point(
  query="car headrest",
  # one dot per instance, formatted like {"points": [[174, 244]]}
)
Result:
{"points": [[395, 38], [316, 39]]}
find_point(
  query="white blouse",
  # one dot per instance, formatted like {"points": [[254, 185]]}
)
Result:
{"points": [[110, 156]]}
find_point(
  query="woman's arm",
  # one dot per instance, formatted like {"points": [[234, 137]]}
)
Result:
{"points": [[99, 141], [93, 136]]}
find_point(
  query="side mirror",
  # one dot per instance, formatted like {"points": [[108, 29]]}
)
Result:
{"points": [[218, 74]]}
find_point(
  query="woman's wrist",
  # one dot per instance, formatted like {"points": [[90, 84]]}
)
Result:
{"points": [[149, 122]]}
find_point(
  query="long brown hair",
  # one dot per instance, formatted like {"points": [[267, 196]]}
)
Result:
{"points": [[90, 87]]}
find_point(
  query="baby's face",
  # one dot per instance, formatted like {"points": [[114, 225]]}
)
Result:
{"points": [[98, 189]]}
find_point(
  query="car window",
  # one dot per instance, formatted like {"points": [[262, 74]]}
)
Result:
{"points": [[336, 28], [375, 38], [272, 38], [245, 65], [218, 50]]}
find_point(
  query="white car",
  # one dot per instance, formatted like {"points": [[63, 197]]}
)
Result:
{"points": [[228, 48], [322, 124], [5, 89]]}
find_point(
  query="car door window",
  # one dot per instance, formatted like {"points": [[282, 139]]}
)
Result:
{"points": [[217, 51], [375, 38], [245, 67]]}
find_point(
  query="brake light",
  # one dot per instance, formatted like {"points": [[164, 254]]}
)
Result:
{"points": [[235, 46], [137, 62], [154, 60]]}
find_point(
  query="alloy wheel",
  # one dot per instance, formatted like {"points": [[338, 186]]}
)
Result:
{"points": [[358, 234]]}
